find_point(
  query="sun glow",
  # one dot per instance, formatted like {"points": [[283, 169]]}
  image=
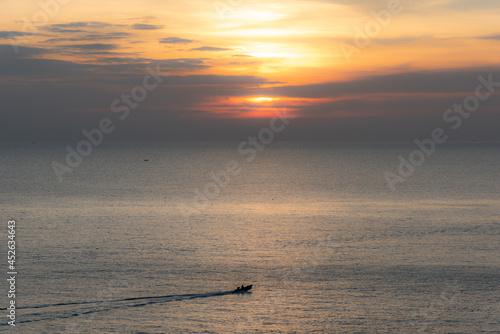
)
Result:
{"points": [[262, 99], [256, 15]]}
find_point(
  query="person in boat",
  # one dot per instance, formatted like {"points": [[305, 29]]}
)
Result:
{"points": [[242, 288]]}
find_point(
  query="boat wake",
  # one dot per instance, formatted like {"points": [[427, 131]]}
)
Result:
{"points": [[46, 312]]}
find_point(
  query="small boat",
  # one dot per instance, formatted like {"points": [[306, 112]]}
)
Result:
{"points": [[243, 288]]}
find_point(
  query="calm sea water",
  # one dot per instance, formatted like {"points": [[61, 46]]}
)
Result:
{"points": [[314, 227]]}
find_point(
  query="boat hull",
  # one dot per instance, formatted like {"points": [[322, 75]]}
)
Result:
{"points": [[244, 289]]}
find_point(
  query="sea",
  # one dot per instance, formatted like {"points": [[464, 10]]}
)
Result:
{"points": [[150, 238]]}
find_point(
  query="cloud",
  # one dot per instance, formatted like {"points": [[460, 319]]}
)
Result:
{"points": [[175, 40], [188, 64], [14, 34], [361, 4], [139, 26], [95, 46], [63, 30], [210, 48], [7, 51], [74, 27], [467, 5], [59, 109], [109, 35], [494, 37], [457, 80], [398, 41], [214, 80], [125, 68], [124, 60], [144, 18], [31, 69], [366, 6], [92, 37], [90, 24]]}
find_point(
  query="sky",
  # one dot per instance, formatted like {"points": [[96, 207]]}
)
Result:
{"points": [[358, 70]]}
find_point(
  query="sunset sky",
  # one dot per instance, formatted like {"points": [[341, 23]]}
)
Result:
{"points": [[229, 65]]}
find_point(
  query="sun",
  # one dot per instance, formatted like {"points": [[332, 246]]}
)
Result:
{"points": [[262, 99]]}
